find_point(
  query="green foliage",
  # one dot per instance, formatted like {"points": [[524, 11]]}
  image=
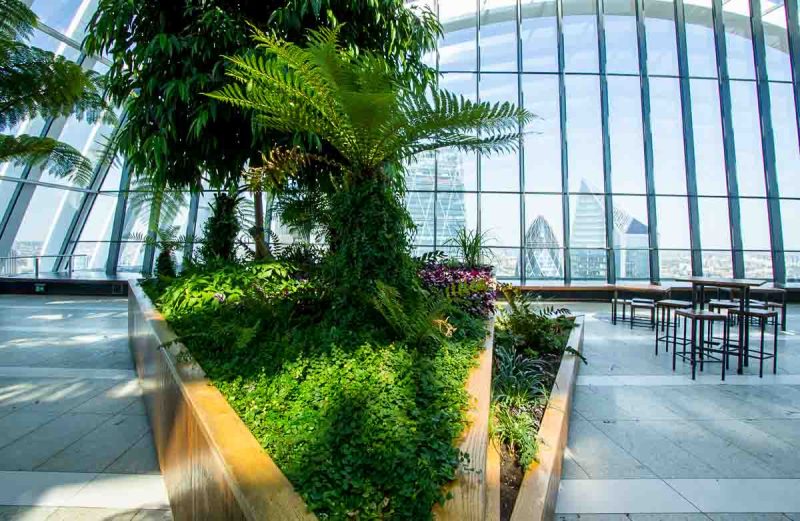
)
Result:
{"points": [[37, 83], [363, 427], [221, 230], [534, 330], [529, 343], [169, 53], [370, 123], [471, 247], [165, 264]]}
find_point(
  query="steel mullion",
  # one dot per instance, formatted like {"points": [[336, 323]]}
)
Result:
{"points": [[191, 223], [112, 262], [728, 143], [689, 158], [647, 141], [768, 144], [793, 28], [521, 153], [562, 115], [611, 265]]}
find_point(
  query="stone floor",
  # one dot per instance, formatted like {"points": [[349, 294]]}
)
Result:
{"points": [[74, 439], [649, 444]]}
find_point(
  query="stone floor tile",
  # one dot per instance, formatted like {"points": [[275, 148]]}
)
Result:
{"points": [[29, 452], [141, 458], [645, 441], [123, 491], [747, 516], [599, 457], [41, 488], [100, 447], [19, 423], [740, 495], [619, 496], [91, 514]]}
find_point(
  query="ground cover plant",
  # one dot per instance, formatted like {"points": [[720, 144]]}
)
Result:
{"points": [[362, 421], [530, 339]]}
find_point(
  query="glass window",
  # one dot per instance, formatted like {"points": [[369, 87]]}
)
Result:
{"points": [[420, 174], [622, 51], [662, 50], [500, 216], [580, 36], [631, 239], [790, 209], [84, 137], [674, 263], [587, 221], [715, 235], [584, 134], [499, 172], [542, 139], [708, 149], [544, 237], [777, 42], [68, 17], [539, 37], [46, 222], [784, 127], [506, 262], [457, 170], [717, 263], [454, 211], [48, 43], [673, 225], [739, 39], [700, 45], [588, 264], [667, 128], [792, 260], [101, 219], [457, 49], [758, 264], [625, 132], [498, 35], [754, 224], [420, 206], [747, 138]]}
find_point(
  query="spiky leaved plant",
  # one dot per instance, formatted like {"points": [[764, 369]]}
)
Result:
{"points": [[367, 124]]}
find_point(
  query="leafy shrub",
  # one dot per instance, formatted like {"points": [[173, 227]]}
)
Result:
{"points": [[472, 289], [471, 247], [363, 427], [529, 342], [536, 331], [220, 230], [165, 265]]}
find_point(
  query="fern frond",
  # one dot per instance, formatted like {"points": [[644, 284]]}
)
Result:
{"points": [[60, 159]]}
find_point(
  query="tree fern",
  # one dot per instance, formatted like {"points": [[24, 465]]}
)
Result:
{"points": [[36, 83]]}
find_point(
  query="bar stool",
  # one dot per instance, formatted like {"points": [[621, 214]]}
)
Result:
{"points": [[699, 319], [665, 317], [762, 316], [643, 303]]}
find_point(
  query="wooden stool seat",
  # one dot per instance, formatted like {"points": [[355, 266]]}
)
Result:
{"points": [[673, 303], [702, 314], [723, 304]]}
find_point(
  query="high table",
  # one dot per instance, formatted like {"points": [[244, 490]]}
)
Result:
{"points": [[698, 294]]}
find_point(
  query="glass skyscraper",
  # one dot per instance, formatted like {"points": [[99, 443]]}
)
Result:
{"points": [[666, 144]]}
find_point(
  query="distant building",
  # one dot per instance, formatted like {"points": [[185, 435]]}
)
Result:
{"points": [[543, 255]]}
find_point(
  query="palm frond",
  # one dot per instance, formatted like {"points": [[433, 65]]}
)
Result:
{"points": [[17, 20], [37, 83], [356, 105], [60, 159]]}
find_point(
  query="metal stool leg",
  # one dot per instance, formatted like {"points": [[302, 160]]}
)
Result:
{"points": [[762, 325], [775, 351], [694, 347]]}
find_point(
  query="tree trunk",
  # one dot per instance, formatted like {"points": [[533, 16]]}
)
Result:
{"points": [[257, 231]]}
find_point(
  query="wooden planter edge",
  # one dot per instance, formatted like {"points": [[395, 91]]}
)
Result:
{"points": [[537, 495], [473, 492], [213, 466]]}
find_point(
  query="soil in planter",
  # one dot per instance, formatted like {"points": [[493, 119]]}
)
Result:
{"points": [[511, 475]]}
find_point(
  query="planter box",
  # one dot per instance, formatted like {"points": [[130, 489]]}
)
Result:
{"points": [[213, 467], [537, 495]]}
